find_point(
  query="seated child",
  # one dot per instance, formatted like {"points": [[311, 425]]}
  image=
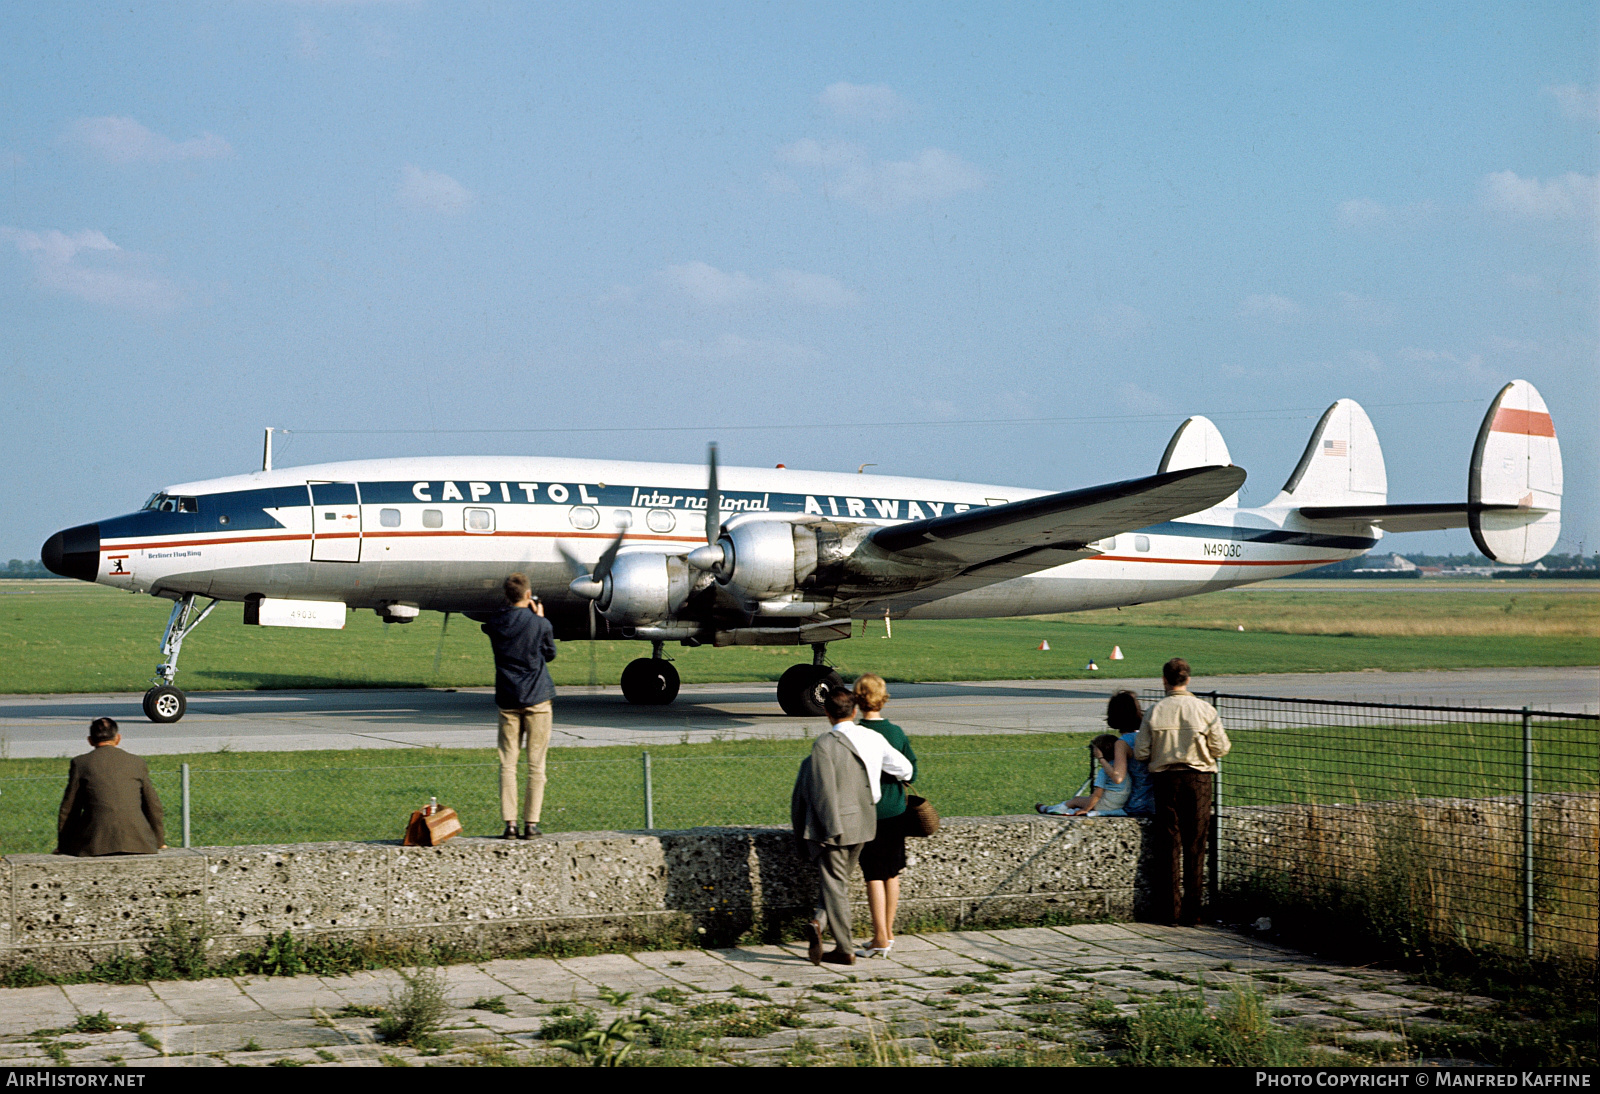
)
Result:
{"points": [[1109, 796]]}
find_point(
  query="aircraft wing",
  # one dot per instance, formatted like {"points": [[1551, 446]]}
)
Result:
{"points": [[1423, 517], [998, 542]]}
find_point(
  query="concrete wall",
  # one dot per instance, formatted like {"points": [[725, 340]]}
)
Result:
{"points": [[712, 885]]}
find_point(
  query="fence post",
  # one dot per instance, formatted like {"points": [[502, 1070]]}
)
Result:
{"points": [[1215, 835], [649, 795], [1527, 831], [185, 805]]}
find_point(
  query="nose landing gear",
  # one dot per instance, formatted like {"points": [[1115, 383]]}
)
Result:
{"points": [[164, 703]]}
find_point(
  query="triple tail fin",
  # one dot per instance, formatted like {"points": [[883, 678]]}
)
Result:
{"points": [[1513, 506], [1342, 463], [1198, 443]]}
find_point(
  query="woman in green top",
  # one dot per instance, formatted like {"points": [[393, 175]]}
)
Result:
{"points": [[884, 858]]}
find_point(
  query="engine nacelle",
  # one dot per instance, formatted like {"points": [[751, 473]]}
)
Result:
{"points": [[766, 559], [644, 587]]}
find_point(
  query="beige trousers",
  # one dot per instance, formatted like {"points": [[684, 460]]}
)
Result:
{"points": [[530, 728]]}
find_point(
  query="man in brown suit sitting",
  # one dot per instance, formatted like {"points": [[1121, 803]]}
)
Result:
{"points": [[110, 807]]}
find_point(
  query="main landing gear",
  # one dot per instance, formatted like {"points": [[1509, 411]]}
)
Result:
{"points": [[163, 702], [650, 681], [802, 688]]}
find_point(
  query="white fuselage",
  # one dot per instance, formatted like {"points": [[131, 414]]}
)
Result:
{"points": [[442, 533]]}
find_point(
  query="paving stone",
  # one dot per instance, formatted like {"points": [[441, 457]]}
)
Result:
{"points": [[1324, 1022], [127, 1003], [292, 996], [23, 1010], [1377, 1001], [1382, 1036], [208, 1000]]}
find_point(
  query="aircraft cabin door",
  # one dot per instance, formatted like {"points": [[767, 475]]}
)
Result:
{"points": [[335, 521]]}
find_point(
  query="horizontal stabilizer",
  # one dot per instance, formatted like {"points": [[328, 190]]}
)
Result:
{"points": [[1422, 517]]}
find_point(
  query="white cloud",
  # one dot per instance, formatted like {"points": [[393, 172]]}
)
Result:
{"points": [[818, 290], [734, 347], [1443, 365], [1268, 306], [87, 265], [1136, 400], [850, 174], [1564, 197], [874, 102], [1581, 104], [123, 140], [1364, 309], [432, 192], [1362, 213], [703, 284], [1118, 321], [1366, 359]]}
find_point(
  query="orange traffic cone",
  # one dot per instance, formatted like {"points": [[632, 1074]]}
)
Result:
{"points": [[1045, 645], [1116, 653]]}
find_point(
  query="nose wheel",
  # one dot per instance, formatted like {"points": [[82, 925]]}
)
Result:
{"points": [[164, 703], [802, 688], [650, 682]]}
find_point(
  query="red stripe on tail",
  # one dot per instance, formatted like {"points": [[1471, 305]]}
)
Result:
{"points": [[1533, 423]]}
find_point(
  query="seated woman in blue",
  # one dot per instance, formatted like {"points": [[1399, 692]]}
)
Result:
{"points": [[1110, 791], [1124, 716], [1122, 783]]}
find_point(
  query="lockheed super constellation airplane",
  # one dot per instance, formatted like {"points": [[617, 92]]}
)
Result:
{"points": [[625, 550]]}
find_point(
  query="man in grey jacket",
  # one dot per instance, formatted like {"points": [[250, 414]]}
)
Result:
{"points": [[833, 811]]}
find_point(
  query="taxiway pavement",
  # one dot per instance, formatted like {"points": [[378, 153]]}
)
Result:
{"points": [[259, 721]]}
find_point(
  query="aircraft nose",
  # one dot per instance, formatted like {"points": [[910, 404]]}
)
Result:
{"points": [[73, 552]]}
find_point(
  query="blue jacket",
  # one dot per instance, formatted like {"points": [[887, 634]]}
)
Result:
{"points": [[523, 642]]}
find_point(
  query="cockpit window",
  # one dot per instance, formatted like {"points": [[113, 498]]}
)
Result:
{"points": [[166, 503]]}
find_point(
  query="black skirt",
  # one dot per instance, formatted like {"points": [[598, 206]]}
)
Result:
{"points": [[885, 856]]}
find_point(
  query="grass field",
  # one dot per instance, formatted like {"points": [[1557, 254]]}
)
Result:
{"points": [[293, 797], [73, 637]]}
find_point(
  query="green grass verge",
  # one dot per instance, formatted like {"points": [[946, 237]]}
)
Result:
{"points": [[72, 637], [303, 797]]}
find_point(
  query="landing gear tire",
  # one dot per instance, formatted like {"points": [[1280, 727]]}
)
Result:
{"points": [[164, 703], [650, 682], [802, 688]]}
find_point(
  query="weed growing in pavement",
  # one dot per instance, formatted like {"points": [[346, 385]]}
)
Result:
{"points": [[494, 1004], [567, 1026], [416, 1010], [1178, 1030], [609, 1046], [673, 996]]}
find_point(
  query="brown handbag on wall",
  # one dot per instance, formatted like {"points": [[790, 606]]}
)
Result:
{"points": [[431, 829], [920, 818]]}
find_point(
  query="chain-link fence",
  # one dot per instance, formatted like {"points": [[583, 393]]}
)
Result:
{"points": [[1433, 827], [222, 803]]}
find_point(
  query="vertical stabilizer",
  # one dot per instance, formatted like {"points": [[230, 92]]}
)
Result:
{"points": [[1198, 443], [1342, 463], [1517, 461]]}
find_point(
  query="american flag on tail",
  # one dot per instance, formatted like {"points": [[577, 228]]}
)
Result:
{"points": [[1336, 448]]}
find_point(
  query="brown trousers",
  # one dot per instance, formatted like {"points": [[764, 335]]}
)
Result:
{"points": [[1182, 822]]}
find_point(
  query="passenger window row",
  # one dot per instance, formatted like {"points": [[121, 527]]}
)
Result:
{"points": [[583, 518], [472, 520]]}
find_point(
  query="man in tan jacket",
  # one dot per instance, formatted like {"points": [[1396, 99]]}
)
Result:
{"points": [[1181, 739]]}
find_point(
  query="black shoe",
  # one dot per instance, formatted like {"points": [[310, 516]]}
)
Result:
{"points": [[531, 830], [510, 832]]}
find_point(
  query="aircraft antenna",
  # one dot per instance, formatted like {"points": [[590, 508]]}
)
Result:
{"points": [[266, 451]]}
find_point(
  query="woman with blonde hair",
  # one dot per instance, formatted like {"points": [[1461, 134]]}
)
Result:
{"points": [[884, 858]]}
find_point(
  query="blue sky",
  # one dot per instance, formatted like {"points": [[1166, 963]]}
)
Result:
{"points": [[788, 228]]}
